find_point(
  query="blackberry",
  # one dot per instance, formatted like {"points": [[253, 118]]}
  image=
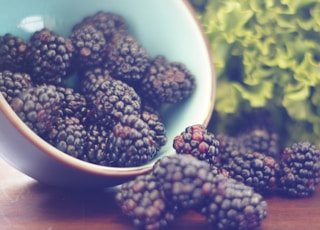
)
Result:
{"points": [[261, 140], [97, 139], [142, 201], [68, 135], [229, 147], [51, 56], [90, 46], [112, 100], [91, 79], [127, 60], [13, 83], [131, 142], [157, 127], [197, 141], [38, 107], [184, 180], [166, 82], [106, 22], [14, 52], [233, 205], [299, 170], [73, 104], [253, 169]]}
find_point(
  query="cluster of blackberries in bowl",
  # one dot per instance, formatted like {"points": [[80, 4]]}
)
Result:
{"points": [[95, 95]]}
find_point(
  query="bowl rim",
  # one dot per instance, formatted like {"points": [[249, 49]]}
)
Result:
{"points": [[91, 168]]}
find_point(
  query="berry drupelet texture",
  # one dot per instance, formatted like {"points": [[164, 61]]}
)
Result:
{"points": [[13, 83], [166, 82], [51, 57], [106, 22], [38, 107], [178, 183], [233, 205], [127, 60], [197, 141], [131, 142], [299, 170], [157, 127], [97, 140], [183, 179], [68, 135], [89, 45], [142, 201], [14, 53], [253, 169], [112, 100]]}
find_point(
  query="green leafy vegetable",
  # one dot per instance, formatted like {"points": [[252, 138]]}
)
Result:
{"points": [[267, 55]]}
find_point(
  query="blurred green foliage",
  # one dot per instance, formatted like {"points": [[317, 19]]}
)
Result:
{"points": [[267, 55]]}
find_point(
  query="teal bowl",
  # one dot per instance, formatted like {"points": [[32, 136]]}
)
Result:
{"points": [[166, 27]]}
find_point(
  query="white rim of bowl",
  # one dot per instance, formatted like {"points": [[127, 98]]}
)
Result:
{"points": [[91, 168]]}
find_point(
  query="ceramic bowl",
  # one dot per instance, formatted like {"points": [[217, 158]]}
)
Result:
{"points": [[166, 27]]}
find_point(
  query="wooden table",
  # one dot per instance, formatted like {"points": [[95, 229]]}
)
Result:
{"points": [[27, 204]]}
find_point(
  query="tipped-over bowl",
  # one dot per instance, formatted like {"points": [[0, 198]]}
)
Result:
{"points": [[163, 27]]}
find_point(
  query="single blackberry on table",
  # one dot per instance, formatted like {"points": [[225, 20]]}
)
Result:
{"points": [[299, 170], [197, 141], [261, 140], [68, 135], [91, 79], [89, 45], [142, 201], [131, 142], [157, 127], [233, 205], [166, 82], [97, 139], [14, 53], [73, 104], [51, 57], [184, 180], [253, 169], [127, 60], [38, 107], [112, 100], [107, 22], [13, 83]]}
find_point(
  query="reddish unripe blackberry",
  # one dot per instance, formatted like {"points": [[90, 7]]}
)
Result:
{"points": [[13, 83], [197, 141], [299, 170], [14, 53]]}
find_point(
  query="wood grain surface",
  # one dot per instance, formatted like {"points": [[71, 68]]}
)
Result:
{"points": [[27, 204]]}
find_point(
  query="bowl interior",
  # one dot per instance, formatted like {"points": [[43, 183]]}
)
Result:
{"points": [[162, 26]]}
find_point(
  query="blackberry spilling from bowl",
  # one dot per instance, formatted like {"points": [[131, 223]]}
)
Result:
{"points": [[95, 94]]}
